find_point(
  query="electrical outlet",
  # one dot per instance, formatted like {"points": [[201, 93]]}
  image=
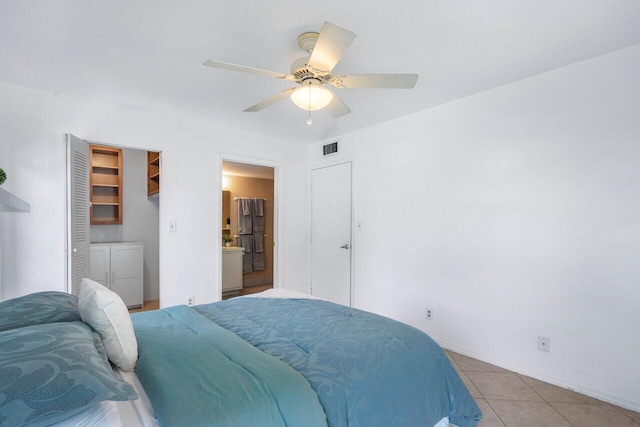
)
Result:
{"points": [[190, 301], [428, 313], [544, 344]]}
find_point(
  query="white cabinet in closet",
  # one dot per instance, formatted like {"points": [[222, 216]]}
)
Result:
{"points": [[119, 267]]}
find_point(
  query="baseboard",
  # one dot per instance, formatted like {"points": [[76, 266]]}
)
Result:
{"points": [[544, 376]]}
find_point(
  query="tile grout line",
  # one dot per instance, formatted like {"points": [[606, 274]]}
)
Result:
{"points": [[483, 398], [545, 401], [494, 411], [512, 400]]}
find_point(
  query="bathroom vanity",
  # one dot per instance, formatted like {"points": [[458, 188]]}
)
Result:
{"points": [[231, 268]]}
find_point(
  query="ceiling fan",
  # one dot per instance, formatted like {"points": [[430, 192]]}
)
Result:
{"points": [[313, 74]]}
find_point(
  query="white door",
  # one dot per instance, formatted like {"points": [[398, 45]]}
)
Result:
{"points": [[78, 212], [331, 233]]}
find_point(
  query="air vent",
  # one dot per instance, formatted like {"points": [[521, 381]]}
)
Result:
{"points": [[330, 148]]}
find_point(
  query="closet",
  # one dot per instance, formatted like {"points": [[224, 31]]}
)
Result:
{"points": [[124, 191], [113, 232]]}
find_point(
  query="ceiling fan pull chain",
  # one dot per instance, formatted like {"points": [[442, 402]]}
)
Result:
{"points": [[309, 121]]}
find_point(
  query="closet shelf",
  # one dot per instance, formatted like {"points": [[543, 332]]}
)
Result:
{"points": [[106, 185], [153, 174], [105, 167]]}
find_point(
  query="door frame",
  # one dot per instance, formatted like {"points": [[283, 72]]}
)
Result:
{"points": [[354, 243], [277, 176]]}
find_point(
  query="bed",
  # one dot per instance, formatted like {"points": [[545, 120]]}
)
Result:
{"points": [[276, 359]]}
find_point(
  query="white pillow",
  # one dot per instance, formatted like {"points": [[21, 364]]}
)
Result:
{"points": [[105, 312]]}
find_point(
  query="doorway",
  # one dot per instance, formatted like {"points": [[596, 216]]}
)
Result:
{"points": [[249, 218], [95, 238]]}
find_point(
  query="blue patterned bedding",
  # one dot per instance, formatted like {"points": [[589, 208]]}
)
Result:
{"points": [[37, 309], [367, 370], [51, 371]]}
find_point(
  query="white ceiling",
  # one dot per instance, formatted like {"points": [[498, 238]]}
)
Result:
{"points": [[148, 54]]}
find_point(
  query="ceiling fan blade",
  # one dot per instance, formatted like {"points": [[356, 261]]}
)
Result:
{"points": [[272, 100], [250, 70], [394, 81], [337, 107], [332, 42]]}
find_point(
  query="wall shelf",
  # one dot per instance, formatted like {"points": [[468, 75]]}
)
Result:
{"points": [[106, 167], [106, 185], [12, 203], [153, 173]]}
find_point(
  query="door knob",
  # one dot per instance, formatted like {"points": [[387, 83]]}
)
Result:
{"points": [[75, 250], [345, 246]]}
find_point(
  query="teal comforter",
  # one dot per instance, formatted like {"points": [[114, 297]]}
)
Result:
{"points": [[368, 370], [197, 373]]}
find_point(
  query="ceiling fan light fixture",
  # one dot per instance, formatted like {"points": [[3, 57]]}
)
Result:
{"points": [[313, 73], [311, 96]]}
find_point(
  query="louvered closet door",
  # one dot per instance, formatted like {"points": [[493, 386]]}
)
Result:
{"points": [[78, 161]]}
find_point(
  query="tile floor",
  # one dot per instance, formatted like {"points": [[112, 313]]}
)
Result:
{"points": [[509, 399]]}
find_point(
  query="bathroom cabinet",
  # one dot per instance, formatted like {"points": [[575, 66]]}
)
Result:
{"points": [[231, 268]]}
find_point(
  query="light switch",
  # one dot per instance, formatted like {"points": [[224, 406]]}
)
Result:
{"points": [[173, 226]]}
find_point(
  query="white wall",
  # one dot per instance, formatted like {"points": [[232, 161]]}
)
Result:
{"points": [[513, 213], [140, 219], [32, 124]]}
